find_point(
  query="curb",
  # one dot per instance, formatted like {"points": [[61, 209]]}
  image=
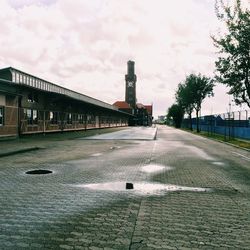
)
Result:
{"points": [[224, 142], [230, 144], [155, 136]]}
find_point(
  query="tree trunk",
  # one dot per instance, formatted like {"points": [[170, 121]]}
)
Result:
{"points": [[197, 121]]}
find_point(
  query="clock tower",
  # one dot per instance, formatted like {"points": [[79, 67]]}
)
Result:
{"points": [[130, 79]]}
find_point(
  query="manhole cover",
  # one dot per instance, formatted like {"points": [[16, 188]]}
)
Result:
{"points": [[39, 171]]}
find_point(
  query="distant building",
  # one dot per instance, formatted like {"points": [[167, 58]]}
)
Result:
{"points": [[142, 113], [161, 119], [123, 106]]}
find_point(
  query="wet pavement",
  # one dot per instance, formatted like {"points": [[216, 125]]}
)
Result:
{"points": [[133, 133], [189, 193]]}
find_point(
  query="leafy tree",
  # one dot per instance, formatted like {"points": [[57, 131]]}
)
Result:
{"points": [[176, 112], [184, 98], [197, 88], [233, 65]]}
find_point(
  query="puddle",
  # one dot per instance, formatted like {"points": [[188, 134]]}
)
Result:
{"points": [[218, 163], [141, 187], [39, 171], [152, 168], [97, 154], [199, 152]]}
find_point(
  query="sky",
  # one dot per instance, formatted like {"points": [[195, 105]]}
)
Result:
{"points": [[84, 45]]}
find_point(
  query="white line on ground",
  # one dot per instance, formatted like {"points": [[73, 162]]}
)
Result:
{"points": [[243, 156]]}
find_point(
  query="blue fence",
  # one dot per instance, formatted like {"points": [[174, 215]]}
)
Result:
{"points": [[231, 125]]}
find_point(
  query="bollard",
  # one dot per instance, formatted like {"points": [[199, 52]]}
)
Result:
{"points": [[129, 186]]}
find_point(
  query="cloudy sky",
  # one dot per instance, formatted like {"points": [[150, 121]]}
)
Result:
{"points": [[84, 45]]}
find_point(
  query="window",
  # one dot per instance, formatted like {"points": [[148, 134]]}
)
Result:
{"points": [[28, 115], [13, 76], [31, 115], [34, 116], [81, 119], [91, 119], [88, 118], [53, 116], [1, 116], [38, 84], [43, 86], [69, 118], [17, 77]]}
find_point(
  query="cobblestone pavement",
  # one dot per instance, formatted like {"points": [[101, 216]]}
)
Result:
{"points": [[65, 210]]}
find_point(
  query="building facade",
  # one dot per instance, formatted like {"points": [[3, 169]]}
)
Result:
{"points": [[143, 114], [29, 104]]}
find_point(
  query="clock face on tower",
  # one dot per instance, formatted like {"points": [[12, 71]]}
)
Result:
{"points": [[130, 84]]}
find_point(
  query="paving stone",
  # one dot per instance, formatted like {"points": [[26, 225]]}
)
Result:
{"points": [[50, 212], [22, 244], [66, 247]]}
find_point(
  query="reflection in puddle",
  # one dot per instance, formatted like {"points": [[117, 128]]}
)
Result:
{"points": [[152, 168], [115, 147], [141, 187], [97, 154], [218, 163]]}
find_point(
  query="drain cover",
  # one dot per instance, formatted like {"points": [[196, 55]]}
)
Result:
{"points": [[39, 171]]}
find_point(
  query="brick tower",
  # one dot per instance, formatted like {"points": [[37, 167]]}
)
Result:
{"points": [[130, 78]]}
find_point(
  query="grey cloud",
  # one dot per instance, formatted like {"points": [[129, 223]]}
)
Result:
{"points": [[79, 42]]}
